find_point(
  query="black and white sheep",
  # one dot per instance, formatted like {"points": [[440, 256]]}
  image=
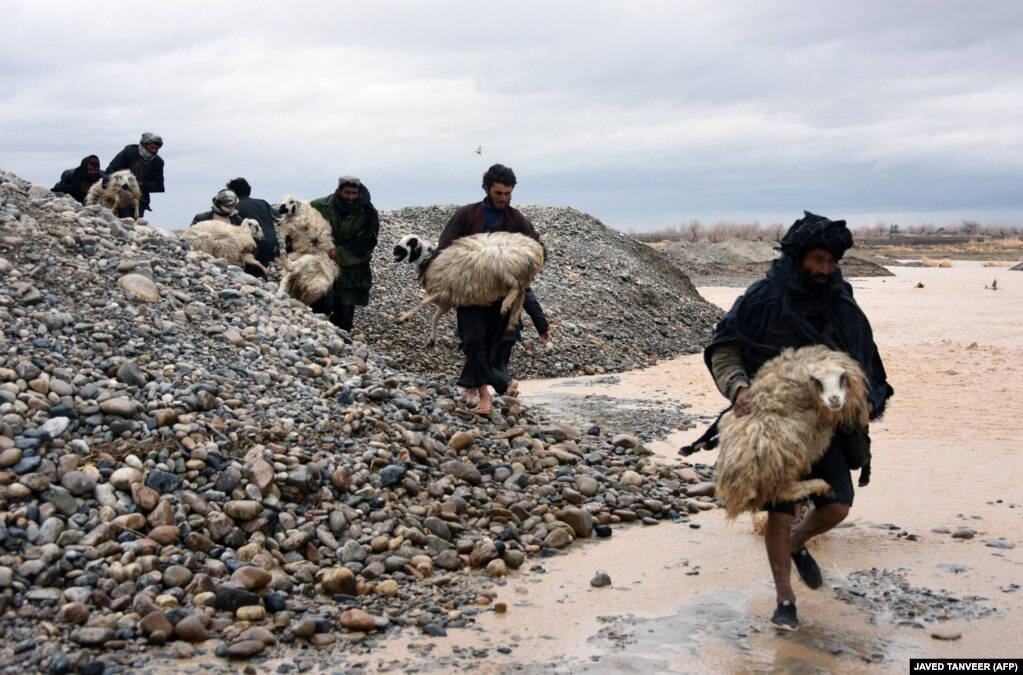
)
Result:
{"points": [[473, 271], [800, 398]]}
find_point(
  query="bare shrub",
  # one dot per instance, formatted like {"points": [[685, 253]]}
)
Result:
{"points": [[935, 262]]}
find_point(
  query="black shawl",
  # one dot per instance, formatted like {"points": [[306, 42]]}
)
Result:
{"points": [[778, 311], [366, 239]]}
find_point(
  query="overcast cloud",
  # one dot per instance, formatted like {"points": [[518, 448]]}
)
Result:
{"points": [[644, 114]]}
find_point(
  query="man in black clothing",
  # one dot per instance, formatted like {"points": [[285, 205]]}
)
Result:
{"points": [[142, 160], [76, 182], [259, 210], [802, 301]]}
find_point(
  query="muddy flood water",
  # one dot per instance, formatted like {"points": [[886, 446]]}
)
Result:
{"points": [[929, 564]]}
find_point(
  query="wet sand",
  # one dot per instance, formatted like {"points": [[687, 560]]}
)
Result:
{"points": [[685, 599]]}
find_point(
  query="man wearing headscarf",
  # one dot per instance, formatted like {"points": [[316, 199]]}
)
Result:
{"points": [[354, 225], [224, 208], [142, 160], [76, 182], [801, 301]]}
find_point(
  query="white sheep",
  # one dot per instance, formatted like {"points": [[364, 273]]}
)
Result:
{"points": [[477, 270], [308, 276], [118, 192], [234, 243], [309, 269], [301, 228], [799, 398]]}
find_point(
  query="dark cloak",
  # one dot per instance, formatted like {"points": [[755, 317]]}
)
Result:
{"points": [[366, 239]]}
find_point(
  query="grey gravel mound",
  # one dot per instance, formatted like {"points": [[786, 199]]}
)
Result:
{"points": [[737, 261], [614, 304]]}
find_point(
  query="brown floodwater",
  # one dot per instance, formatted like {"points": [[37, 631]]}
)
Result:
{"points": [[948, 455]]}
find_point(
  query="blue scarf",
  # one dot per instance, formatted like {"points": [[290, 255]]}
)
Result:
{"points": [[493, 216]]}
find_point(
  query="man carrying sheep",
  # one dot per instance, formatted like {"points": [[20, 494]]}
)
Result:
{"points": [[481, 329], [801, 301], [354, 227], [142, 160]]}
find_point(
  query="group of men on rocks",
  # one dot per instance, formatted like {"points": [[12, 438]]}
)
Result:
{"points": [[355, 226]]}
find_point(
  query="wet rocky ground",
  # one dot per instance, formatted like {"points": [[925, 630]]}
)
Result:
{"points": [[194, 468]]}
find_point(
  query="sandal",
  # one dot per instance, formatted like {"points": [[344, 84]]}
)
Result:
{"points": [[483, 409]]}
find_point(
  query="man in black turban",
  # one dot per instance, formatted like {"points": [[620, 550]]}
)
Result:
{"points": [[801, 301]]}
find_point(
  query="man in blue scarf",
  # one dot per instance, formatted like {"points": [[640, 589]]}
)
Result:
{"points": [[481, 328]]}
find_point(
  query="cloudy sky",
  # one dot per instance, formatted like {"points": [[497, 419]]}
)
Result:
{"points": [[643, 114]]}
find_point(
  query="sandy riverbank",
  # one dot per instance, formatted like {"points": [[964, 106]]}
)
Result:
{"points": [[697, 600]]}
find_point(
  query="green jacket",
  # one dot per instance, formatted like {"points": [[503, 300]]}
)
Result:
{"points": [[354, 239]]}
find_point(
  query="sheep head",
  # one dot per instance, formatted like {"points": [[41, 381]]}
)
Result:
{"points": [[288, 206], [123, 180], [839, 385], [254, 227], [413, 250]]}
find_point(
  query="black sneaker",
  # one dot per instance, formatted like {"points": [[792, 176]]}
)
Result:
{"points": [[784, 617], [807, 567]]}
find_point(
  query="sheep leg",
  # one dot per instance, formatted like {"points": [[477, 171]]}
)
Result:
{"points": [[408, 315], [802, 489], [250, 260], [512, 306], [441, 311]]}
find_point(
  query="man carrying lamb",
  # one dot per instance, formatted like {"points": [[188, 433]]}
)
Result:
{"points": [[354, 227], [801, 301], [481, 329]]}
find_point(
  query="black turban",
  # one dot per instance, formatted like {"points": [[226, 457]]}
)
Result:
{"points": [[813, 231]]}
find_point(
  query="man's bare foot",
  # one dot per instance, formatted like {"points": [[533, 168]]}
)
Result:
{"points": [[471, 396], [513, 388]]}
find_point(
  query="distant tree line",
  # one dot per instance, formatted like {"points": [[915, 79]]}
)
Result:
{"points": [[695, 231]]}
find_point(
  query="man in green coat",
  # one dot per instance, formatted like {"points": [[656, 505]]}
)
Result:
{"points": [[354, 225]]}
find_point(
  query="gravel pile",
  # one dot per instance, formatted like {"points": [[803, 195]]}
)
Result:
{"points": [[737, 262], [614, 304], [192, 464]]}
